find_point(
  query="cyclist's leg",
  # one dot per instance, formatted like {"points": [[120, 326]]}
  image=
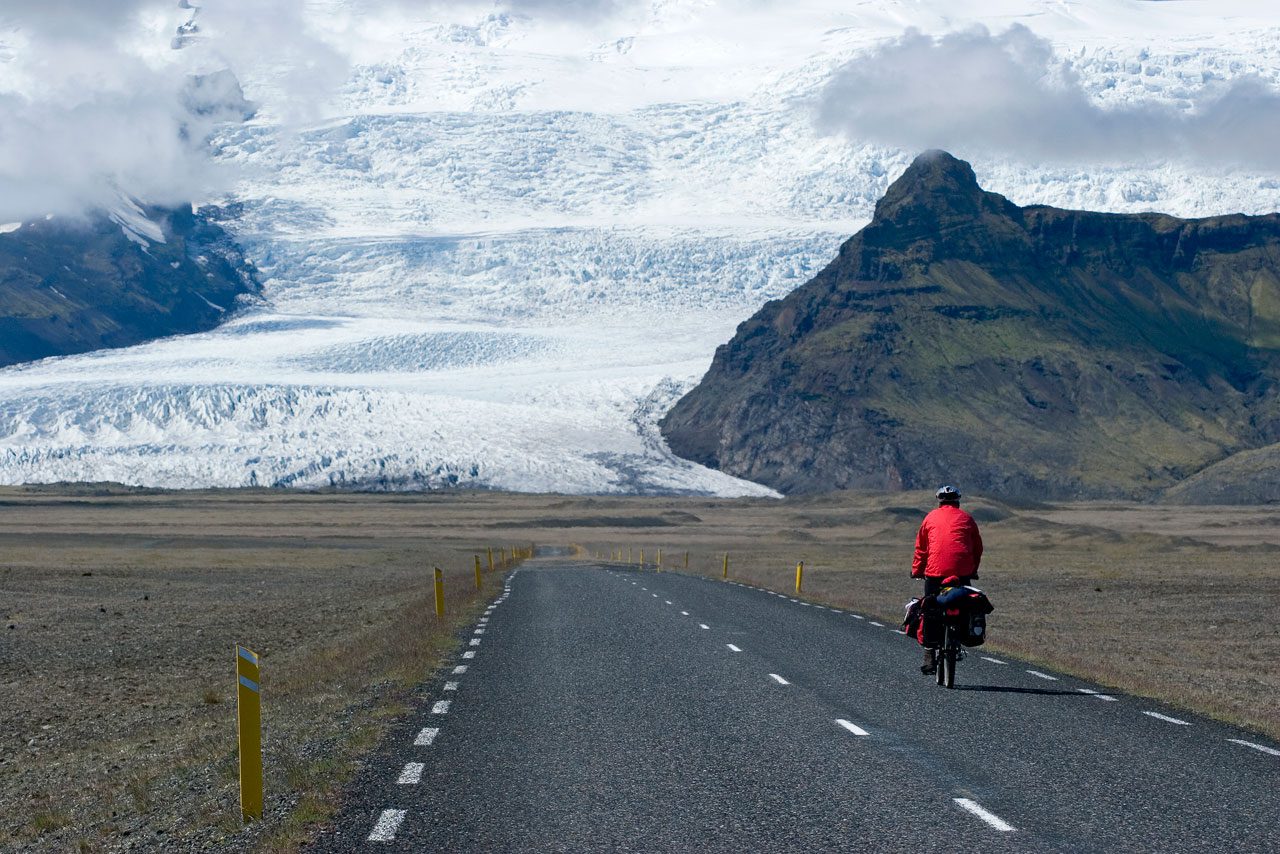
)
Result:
{"points": [[930, 665]]}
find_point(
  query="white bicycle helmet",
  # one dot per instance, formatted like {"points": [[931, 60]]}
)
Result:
{"points": [[947, 493]]}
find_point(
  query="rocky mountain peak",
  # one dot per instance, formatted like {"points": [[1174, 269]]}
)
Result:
{"points": [[936, 186]]}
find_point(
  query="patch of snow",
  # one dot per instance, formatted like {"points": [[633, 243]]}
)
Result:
{"points": [[135, 224], [9, 227]]}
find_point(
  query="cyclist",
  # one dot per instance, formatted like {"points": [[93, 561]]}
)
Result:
{"points": [[948, 548]]}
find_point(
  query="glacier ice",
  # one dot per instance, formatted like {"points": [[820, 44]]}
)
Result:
{"points": [[512, 243]]}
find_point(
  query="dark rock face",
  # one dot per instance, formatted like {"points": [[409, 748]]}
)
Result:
{"points": [[75, 286], [1020, 351]]}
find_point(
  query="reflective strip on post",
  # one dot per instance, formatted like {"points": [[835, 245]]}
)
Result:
{"points": [[249, 728]]}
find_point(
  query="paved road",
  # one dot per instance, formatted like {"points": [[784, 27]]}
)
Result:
{"points": [[598, 708]]}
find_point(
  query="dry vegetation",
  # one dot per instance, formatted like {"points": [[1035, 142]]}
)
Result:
{"points": [[120, 611]]}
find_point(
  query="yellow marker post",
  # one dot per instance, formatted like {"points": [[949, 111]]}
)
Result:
{"points": [[249, 724], [642, 558], [725, 574], [686, 560], [479, 581], [502, 555], [630, 559], [799, 575], [439, 593], [659, 560], [490, 550]]}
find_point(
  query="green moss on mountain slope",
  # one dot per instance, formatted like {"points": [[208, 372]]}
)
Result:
{"points": [[71, 286], [1025, 351]]}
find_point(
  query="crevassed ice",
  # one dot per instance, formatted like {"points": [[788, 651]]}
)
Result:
{"points": [[513, 243]]}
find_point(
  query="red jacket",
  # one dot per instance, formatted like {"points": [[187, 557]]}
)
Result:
{"points": [[948, 544]]}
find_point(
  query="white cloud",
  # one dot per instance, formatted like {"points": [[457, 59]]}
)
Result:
{"points": [[974, 93], [94, 102]]}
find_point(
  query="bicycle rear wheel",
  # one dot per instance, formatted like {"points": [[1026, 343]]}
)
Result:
{"points": [[940, 657], [950, 655]]}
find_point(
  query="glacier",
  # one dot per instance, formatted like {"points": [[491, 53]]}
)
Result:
{"points": [[510, 242]]}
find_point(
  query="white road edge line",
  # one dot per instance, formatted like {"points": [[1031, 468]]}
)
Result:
{"points": [[1261, 747], [857, 616], [1040, 675], [668, 601], [733, 648], [989, 817], [475, 642], [1098, 694], [451, 686], [441, 707], [411, 774], [684, 613], [387, 825], [992, 660], [1166, 718], [459, 670], [874, 623], [471, 653], [776, 678], [703, 626], [426, 736], [851, 727]]}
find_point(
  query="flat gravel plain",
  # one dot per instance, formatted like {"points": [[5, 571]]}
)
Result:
{"points": [[597, 707]]}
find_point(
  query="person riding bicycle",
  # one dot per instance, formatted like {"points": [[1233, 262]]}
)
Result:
{"points": [[948, 546]]}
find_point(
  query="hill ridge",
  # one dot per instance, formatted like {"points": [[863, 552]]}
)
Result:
{"points": [[1026, 350]]}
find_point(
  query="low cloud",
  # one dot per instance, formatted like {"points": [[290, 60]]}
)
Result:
{"points": [[96, 101], [973, 92]]}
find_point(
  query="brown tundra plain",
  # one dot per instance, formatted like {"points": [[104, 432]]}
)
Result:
{"points": [[120, 608]]}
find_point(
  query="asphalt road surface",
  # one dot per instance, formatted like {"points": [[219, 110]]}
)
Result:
{"points": [[601, 708]]}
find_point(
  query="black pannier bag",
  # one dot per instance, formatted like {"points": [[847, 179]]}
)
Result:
{"points": [[971, 606], [930, 632]]}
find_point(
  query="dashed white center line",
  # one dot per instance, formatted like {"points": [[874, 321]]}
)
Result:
{"points": [[733, 648], [992, 660], [851, 727], [1166, 718], [475, 641], [459, 670], [874, 623], [776, 678], [451, 686], [668, 601], [1039, 675], [1098, 694], [684, 613], [411, 774], [703, 626], [426, 736], [989, 817], [478, 631], [384, 830], [471, 653], [857, 616], [1261, 747], [441, 707]]}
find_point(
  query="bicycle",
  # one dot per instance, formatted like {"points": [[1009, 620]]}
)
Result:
{"points": [[949, 653]]}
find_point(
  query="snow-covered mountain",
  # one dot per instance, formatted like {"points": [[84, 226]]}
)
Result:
{"points": [[514, 239]]}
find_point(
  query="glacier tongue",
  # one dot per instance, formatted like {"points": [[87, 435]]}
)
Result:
{"points": [[515, 241]]}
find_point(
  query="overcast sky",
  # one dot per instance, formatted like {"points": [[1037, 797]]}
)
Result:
{"points": [[977, 93]]}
